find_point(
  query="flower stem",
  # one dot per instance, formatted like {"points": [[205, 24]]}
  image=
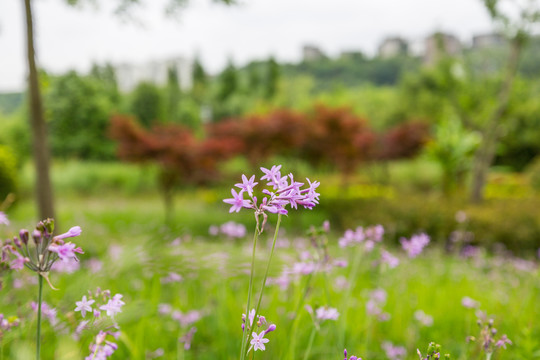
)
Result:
{"points": [[267, 267], [247, 327], [268, 264], [294, 327], [95, 352], [352, 282], [38, 336], [310, 344]]}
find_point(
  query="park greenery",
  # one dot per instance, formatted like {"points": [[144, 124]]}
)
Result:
{"points": [[400, 210]]}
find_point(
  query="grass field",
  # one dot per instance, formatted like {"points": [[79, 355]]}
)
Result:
{"points": [[138, 253]]}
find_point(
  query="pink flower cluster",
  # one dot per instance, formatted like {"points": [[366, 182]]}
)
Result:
{"points": [[102, 348], [377, 299], [47, 248], [369, 237], [392, 351], [285, 190], [230, 229], [415, 245], [257, 339]]}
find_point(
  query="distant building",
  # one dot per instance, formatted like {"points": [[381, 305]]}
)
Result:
{"points": [[392, 47], [488, 41], [439, 44], [130, 75], [312, 52]]}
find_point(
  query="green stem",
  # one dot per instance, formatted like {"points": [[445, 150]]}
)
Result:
{"points": [[267, 267], [352, 278], [247, 326], [294, 327], [95, 352], [488, 356], [38, 336], [180, 354], [310, 344]]}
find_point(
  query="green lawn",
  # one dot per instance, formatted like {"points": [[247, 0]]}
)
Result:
{"points": [[127, 234]]}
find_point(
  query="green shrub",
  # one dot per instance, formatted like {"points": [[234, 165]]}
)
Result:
{"points": [[8, 172], [511, 222], [533, 172]]}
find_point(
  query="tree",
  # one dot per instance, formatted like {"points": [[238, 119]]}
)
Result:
{"points": [[44, 192], [200, 80], [106, 75], [172, 95], [481, 99], [181, 157], [78, 108], [492, 126], [146, 104], [272, 78], [228, 82], [38, 127]]}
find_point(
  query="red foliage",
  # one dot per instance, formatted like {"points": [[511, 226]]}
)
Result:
{"points": [[403, 141], [338, 137], [173, 147], [333, 136]]}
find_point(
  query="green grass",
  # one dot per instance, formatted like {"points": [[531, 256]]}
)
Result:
{"points": [[215, 281]]}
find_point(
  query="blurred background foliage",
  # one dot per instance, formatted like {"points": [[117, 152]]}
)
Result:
{"points": [[376, 132]]}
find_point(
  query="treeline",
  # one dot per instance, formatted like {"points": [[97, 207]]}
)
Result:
{"points": [[327, 137], [79, 107]]}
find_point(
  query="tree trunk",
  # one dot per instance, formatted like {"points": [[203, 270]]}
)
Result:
{"points": [[43, 188], [492, 131]]}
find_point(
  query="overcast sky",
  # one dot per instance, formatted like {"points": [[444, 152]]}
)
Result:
{"points": [[70, 38]]}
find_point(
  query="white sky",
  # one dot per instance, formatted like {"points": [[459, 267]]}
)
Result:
{"points": [[70, 38]]}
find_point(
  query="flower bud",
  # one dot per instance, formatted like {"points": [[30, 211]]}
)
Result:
{"points": [[271, 328], [36, 235], [49, 225], [17, 242], [23, 235]]}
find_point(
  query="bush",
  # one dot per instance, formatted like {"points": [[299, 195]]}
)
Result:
{"points": [[533, 171], [511, 222], [8, 172]]}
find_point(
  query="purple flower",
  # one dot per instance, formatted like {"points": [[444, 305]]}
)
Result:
{"points": [[67, 267], [84, 305], [233, 230], [393, 352], [469, 303], [19, 262], [503, 341], [3, 218], [415, 245], [326, 313], [389, 259], [375, 233], [423, 318], [66, 251], [73, 232], [285, 190], [237, 201], [251, 317], [188, 338], [247, 185], [326, 226], [273, 175], [258, 341], [113, 306], [352, 356]]}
